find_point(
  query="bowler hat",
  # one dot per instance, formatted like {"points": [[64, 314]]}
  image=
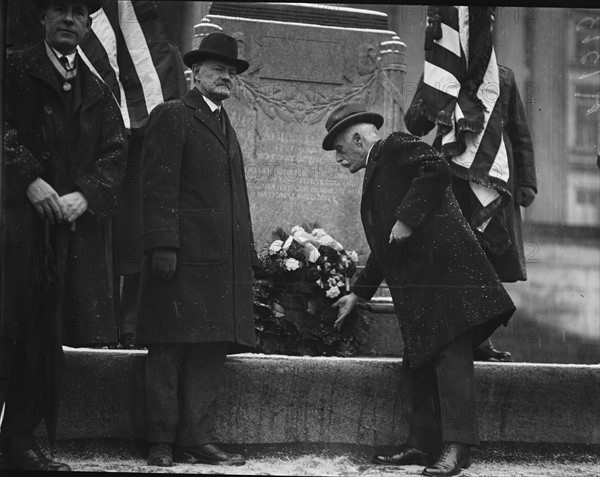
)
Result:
{"points": [[218, 46], [345, 116], [92, 5]]}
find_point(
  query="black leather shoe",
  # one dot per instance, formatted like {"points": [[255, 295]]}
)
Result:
{"points": [[487, 352], [32, 459], [206, 454], [406, 456], [453, 458], [161, 454]]}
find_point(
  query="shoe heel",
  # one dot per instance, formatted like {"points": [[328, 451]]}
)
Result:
{"points": [[467, 463]]}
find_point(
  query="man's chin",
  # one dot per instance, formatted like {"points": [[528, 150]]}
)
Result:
{"points": [[65, 45]]}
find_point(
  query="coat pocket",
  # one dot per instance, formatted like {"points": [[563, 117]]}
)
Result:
{"points": [[203, 236]]}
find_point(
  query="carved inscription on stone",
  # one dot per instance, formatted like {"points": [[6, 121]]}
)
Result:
{"points": [[295, 59]]}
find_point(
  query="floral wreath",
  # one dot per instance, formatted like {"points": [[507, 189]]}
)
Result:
{"points": [[300, 277]]}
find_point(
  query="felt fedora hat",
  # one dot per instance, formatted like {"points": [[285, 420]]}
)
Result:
{"points": [[345, 116], [218, 46], [92, 5]]}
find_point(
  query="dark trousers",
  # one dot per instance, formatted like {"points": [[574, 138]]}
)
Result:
{"points": [[443, 399], [23, 406], [126, 298], [182, 381]]}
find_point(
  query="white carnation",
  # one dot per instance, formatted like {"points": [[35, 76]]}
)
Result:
{"points": [[332, 292], [275, 247], [292, 264]]}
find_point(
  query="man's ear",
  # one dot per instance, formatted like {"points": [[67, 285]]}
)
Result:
{"points": [[356, 137]]}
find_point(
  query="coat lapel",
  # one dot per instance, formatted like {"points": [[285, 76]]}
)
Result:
{"points": [[230, 133], [371, 165], [39, 65], [193, 99]]}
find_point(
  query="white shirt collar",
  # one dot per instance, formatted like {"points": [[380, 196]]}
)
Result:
{"points": [[213, 107], [70, 57], [369, 154]]}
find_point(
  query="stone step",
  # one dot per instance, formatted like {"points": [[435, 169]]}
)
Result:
{"points": [[269, 399]]}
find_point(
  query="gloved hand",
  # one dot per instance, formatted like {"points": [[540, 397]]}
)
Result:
{"points": [[524, 196], [164, 262]]}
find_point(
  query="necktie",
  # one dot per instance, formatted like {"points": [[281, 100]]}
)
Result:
{"points": [[65, 62], [68, 74], [221, 116]]}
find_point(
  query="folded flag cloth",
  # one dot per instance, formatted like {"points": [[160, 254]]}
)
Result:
{"points": [[460, 93]]}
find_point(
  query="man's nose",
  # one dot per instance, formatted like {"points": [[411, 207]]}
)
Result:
{"points": [[69, 15]]}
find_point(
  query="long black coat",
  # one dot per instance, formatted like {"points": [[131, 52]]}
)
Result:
{"points": [[195, 200], [440, 281], [510, 266], [86, 152]]}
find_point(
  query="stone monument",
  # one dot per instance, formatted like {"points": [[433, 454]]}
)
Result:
{"points": [[305, 61]]}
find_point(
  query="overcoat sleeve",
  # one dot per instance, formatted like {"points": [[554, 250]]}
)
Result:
{"points": [[162, 156], [252, 249], [21, 167], [101, 182], [430, 176], [520, 137], [369, 279], [417, 123]]}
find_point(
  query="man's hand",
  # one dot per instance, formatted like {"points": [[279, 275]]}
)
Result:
{"points": [[524, 196], [46, 201], [400, 232], [74, 204], [345, 305], [164, 262]]}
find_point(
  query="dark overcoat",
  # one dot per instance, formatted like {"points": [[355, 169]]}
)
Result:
{"points": [[440, 281], [510, 265], [195, 201], [85, 151]]}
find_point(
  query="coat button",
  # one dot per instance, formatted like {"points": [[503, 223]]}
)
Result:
{"points": [[48, 110], [237, 224]]}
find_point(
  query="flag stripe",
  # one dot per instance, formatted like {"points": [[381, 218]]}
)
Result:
{"points": [[450, 40], [441, 79], [128, 76], [140, 55], [102, 43], [165, 55], [128, 47]]}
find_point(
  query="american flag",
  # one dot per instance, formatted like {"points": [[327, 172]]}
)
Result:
{"points": [[461, 87], [129, 49]]}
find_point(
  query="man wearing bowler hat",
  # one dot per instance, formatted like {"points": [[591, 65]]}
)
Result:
{"points": [[445, 292], [196, 300], [65, 154]]}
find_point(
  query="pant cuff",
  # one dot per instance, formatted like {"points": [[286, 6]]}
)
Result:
{"points": [[158, 438], [430, 447], [193, 441], [461, 437]]}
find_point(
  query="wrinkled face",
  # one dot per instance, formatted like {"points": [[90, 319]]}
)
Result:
{"points": [[66, 24], [350, 152], [214, 79]]}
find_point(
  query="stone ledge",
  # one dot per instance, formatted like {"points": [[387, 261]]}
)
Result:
{"points": [[270, 399]]}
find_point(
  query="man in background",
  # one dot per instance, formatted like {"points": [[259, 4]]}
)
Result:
{"points": [[483, 133]]}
